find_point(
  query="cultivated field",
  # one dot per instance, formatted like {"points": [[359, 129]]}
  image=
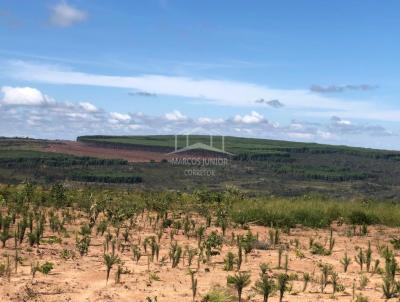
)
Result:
{"points": [[259, 166], [82, 149], [185, 247]]}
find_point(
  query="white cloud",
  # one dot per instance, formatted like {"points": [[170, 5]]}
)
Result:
{"points": [[300, 135], [344, 122], [76, 115], [121, 117], [64, 15], [338, 125], [135, 127], [325, 134], [22, 96], [88, 107], [175, 116], [207, 120], [68, 120], [252, 118], [296, 126], [221, 92]]}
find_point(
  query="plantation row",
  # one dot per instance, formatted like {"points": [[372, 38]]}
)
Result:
{"points": [[208, 222], [114, 179], [267, 156], [59, 161], [246, 148], [311, 211], [320, 173]]}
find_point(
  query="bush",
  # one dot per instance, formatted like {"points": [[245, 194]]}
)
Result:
{"points": [[360, 217], [218, 294]]}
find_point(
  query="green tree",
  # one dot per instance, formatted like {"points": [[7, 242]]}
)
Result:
{"points": [[239, 281]]}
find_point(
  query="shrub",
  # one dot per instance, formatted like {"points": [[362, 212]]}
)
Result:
{"points": [[217, 294], [318, 249], [229, 261], [359, 217], [265, 286], [345, 261], [239, 282]]}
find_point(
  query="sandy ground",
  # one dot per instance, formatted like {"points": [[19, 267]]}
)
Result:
{"points": [[81, 149], [84, 278]]}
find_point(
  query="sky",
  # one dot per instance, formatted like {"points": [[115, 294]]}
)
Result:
{"points": [[312, 71]]}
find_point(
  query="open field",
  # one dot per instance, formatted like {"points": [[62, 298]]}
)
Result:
{"points": [[82, 149], [151, 240]]}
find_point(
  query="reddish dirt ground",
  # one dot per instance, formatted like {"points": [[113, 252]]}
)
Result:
{"points": [[83, 278], [81, 149]]}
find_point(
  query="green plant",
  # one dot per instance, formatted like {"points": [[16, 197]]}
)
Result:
{"points": [[376, 268], [239, 282], [67, 254], [247, 243], [345, 261], [361, 298], [175, 254], [194, 283], [335, 282], [299, 253], [44, 268], [282, 285], [306, 280], [395, 242], [318, 249], [109, 261], [264, 268], [326, 270], [191, 252], [363, 281], [368, 256], [82, 244], [200, 231], [360, 258], [137, 254], [280, 251], [4, 236], [118, 274], [265, 286], [217, 294], [102, 227], [2, 269], [213, 244], [286, 265], [85, 230], [331, 241], [229, 261], [154, 277], [240, 253], [389, 287]]}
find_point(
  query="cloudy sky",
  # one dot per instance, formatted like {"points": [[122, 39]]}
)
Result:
{"points": [[313, 71]]}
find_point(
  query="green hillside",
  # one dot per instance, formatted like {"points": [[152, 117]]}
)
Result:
{"points": [[258, 166], [236, 145]]}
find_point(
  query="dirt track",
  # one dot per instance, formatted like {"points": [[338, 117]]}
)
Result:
{"points": [[81, 149]]}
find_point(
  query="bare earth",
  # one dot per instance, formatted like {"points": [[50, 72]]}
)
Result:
{"points": [[84, 278], [81, 149]]}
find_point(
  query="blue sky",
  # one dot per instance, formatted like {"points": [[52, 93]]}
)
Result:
{"points": [[297, 70]]}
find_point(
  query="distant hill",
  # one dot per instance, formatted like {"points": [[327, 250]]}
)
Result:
{"points": [[235, 145], [259, 166]]}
